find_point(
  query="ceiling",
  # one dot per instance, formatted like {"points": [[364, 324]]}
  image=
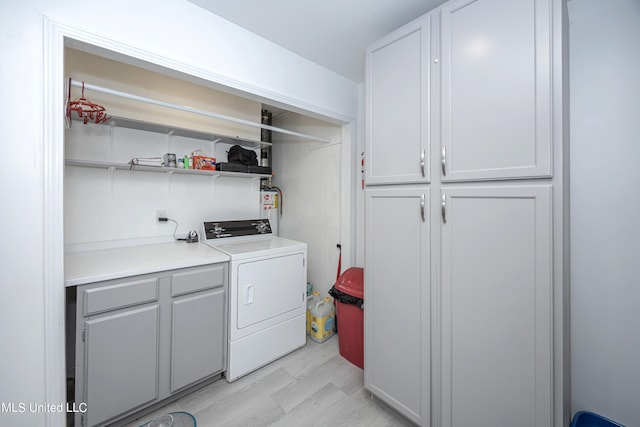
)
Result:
{"points": [[331, 33]]}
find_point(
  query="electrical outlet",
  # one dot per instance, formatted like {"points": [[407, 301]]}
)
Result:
{"points": [[161, 213]]}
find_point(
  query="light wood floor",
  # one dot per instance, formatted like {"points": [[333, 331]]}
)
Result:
{"points": [[313, 386]]}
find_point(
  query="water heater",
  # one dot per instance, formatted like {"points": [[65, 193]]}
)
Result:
{"points": [[269, 208]]}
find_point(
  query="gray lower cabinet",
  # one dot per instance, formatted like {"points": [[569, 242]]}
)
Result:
{"points": [[196, 334], [140, 340], [121, 362], [496, 295], [397, 288]]}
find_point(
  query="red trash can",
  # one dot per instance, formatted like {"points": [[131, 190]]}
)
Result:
{"points": [[348, 292]]}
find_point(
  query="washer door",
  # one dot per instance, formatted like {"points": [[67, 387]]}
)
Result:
{"points": [[270, 290]]}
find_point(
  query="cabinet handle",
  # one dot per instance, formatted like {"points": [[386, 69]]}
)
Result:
{"points": [[422, 158], [443, 207], [444, 161], [248, 294], [422, 205]]}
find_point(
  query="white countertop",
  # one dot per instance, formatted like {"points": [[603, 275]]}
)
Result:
{"points": [[105, 264]]}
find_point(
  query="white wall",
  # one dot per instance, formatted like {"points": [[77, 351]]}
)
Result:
{"points": [[176, 34], [119, 76], [116, 207], [605, 207], [312, 205], [124, 203]]}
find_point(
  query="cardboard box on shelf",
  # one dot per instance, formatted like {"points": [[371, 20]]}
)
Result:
{"points": [[204, 163]]}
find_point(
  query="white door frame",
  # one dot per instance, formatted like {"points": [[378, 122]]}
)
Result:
{"points": [[55, 35]]}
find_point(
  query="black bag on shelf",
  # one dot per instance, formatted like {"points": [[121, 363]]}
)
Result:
{"points": [[232, 167], [237, 154]]}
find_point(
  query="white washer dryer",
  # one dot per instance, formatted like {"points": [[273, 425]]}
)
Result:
{"points": [[267, 292]]}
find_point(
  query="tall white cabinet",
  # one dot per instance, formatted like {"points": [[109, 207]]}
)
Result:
{"points": [[397, 229], [397, 114], [397, 353], [464, 272], [496, 88], [496, 306]]}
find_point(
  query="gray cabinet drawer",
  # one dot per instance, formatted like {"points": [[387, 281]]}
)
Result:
{"points": [[125, 294], [199, 279]]}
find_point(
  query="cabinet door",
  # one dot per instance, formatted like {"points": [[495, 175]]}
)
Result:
{"points": [[397, 106], [496, 90], [121, 362], [496, 307], [397, 299], [197, 338]]}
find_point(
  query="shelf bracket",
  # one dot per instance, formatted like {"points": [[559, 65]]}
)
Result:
{"points": [[214, 141], [169, 135], [111, 126], [110, 172], [213, 184], [169, 181]]}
